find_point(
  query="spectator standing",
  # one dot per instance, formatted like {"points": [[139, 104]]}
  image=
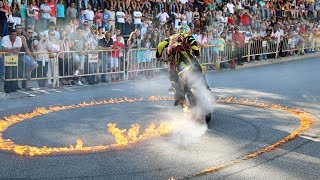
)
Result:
{"points": [[45, 17], [71, 12], [31, 15], [86, 29], [111, 21], [98, 18], [230, 7], [128, 25], [106, 44], [137, 18], [238, 39], [132, 44], [28, 62], [53, 48], [89, 15], [92, 40], [42, 56], [60, 13], [163, 17], [15, 11], [23, 12], [3, 19], [177, 19], [11, 44], [147, 44], [64, 59], [115, 55], [189, 17], [105, 20], [120, 20], [53, 13], [80, 46]]}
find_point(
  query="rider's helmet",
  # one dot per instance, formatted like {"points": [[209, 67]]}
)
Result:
{"points": [[184, 29]]}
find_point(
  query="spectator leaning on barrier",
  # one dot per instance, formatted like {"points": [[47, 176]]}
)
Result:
{"points": [[28, 61], [105, 44], [11, 44]]}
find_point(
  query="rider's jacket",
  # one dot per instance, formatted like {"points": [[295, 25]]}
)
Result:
{"points": [[179, 47]]}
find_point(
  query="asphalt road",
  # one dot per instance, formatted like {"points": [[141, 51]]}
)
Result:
{"points": [[236, 130]]}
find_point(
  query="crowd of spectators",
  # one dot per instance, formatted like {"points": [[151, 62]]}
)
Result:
{"points": [[55, 25]]}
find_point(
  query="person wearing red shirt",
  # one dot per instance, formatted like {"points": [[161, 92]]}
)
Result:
{"points": [[302, 30], [231, 20], [53, 6], [238, 39], [115, 54], [245, 18]]}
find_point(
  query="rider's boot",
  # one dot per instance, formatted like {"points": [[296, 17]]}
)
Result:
{"points": [[178, 96]]}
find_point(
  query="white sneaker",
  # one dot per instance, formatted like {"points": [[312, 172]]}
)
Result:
{"points": [[80, 83], [76, 73]]}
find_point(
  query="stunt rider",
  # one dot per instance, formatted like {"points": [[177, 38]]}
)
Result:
{"points": [[181, 48]]}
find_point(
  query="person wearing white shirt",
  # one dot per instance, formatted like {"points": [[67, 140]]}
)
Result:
{"points": [[11, 44], [45, 11], [189, 16], [230, 7], [177, 19], [137, 18], [162, 16], [278, 33], [89, 15], [120, 19]]}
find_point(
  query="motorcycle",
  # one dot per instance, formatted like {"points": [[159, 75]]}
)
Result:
{"points": [[195, 91]]}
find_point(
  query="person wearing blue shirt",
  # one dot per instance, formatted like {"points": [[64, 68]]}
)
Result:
{"points": [[60, 13]]}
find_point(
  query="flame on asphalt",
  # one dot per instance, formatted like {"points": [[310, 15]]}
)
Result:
{"points": [[306, 121], [122, 137], [125, 137]]}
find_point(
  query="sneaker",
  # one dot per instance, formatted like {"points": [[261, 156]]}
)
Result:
{"points": [[29, 89], [2, 78], [76, 73], [79, 83]]}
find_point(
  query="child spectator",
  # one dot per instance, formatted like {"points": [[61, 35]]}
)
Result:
{"points": [[115, 54]]}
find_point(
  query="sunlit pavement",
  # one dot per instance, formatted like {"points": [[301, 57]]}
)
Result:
{"points": [[236, 130]]}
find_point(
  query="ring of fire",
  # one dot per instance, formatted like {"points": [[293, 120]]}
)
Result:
{"points": [[125, 137]]}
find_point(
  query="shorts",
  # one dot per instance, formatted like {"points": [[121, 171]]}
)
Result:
{"points": [[114, 62], [79, 59]]}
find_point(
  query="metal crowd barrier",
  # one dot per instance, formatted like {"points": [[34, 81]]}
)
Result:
{"points": [[135, 63], [18, 67], [143, 62], [102, 63]]}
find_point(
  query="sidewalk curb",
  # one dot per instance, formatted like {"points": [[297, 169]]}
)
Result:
{"points": [[278, 60]]}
